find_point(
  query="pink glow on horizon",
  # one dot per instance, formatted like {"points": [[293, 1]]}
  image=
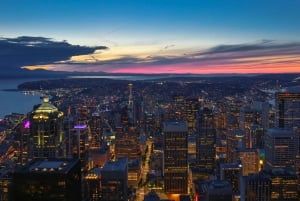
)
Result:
{"points": [[211, 69]]}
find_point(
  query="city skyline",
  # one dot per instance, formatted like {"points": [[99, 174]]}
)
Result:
{"points": [[175, 37]]}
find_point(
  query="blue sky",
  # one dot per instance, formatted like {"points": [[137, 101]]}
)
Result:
{"points": [[141, 28]]}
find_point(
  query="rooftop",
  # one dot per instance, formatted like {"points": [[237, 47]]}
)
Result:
{"points": [[46, 166], [119, 165], [175, 126], [280, 132]]}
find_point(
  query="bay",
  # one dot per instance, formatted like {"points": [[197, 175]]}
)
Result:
{"points": [[13, 101]]}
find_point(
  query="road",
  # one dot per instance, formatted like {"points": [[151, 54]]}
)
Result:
{"points": [[143, 190]]}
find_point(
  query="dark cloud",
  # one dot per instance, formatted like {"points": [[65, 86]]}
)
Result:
{"points": [[267, 46], [232, 54], [22, 51], [25, 50], [261, 53]]}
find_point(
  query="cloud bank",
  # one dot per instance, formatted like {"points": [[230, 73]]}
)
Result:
{"points": [[265, 56], [26, 50]]}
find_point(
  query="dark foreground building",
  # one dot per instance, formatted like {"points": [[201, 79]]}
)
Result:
{"points": [[47, 180]]}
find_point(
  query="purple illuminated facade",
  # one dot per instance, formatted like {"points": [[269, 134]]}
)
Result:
{"points": [[83, 126], [27, 124]]}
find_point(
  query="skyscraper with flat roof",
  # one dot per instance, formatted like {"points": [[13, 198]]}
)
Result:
{"points": [[206, 141], [45, 179], [281, 147], [114, 176], [288, 108], [175, 157]]}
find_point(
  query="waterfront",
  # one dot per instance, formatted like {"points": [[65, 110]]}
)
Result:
{"points": [[16, 101], [13, 100]]}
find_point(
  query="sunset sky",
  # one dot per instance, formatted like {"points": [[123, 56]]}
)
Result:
{"points": [[153, 36]]}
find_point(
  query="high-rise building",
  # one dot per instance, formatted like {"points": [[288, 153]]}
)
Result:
{"points": [[191, 109], [219, 190], [5, 183], [127, 143], [256, 138], [232, 173], [131, 107], [235, 142], [47, 138], [287, 114], [175, 157], [250, 161], [93, 184], [96, 130], [206, 138], [281, 148], [45, 179], [79, 144], [258, 187], [213, 190], [284, 185], [114, 176], [288, 108]]}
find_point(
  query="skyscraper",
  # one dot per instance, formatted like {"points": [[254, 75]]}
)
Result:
{"points": [[47, 139], [47, 179], [175, 157], [258, 187], [206, 141], [288, 108], [281, 147], [79, 144], [127, 143], [114, 178]]}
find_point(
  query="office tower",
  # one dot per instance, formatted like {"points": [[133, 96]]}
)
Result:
{"points": [[263, 109], [254, 114], [218, 190], [93, 183], [131, 108], [96, 130], [256, 138], [5, 183], [206, 138], [288, 114], [288, 108], [232, 173], [235, 142], [191, 109], [175, 157], [250, 161], [80, 145], [45, 179], [127, 143], [284, 185], [192, 148], [47, 138], [258, 187], [114, 180], [281, 147], [213, 190], [179, 108]]}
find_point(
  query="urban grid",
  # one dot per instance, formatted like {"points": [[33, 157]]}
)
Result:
{"points": [[168, 139]]}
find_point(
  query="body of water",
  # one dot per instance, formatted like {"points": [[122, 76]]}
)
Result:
{"points": [[15, 101]]}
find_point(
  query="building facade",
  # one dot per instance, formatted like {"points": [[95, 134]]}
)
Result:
{"points": [[175, 157], [47, 138], [45, 180]]}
